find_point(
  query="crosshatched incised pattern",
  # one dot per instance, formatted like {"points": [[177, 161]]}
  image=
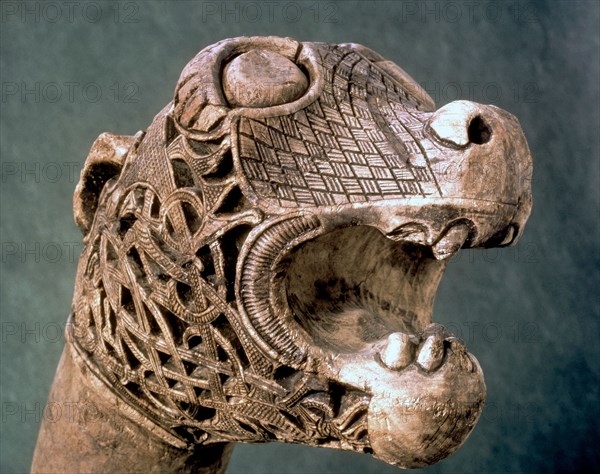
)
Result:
{"points": [[361, 140]]}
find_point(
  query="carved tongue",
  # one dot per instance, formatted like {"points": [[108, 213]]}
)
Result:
{"points": [[451, 242]]}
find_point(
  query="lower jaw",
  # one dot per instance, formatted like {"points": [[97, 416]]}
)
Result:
{"points": [[426, 390], [416, 417], [421, 431]]}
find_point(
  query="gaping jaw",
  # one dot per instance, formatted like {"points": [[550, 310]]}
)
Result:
{"points": [[353, 306], [366, 302], [350, 288]]}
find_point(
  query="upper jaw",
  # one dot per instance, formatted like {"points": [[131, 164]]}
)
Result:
{"points": [[443, 224]]}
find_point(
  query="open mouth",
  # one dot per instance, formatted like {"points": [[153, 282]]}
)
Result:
{"points": [[354, 290], [349, 291], [349, 301], [363, 303], [353, 287]]}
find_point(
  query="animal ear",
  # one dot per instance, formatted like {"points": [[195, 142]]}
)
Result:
{"points": [[104, 162]]}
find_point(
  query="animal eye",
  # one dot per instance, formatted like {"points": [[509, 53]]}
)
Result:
{"points": [[260, 78]]}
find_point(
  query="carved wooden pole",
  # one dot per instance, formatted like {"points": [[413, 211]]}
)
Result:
{"points": [[260, 264]]}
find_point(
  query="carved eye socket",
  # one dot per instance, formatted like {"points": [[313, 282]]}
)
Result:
{"points": [[260, 78]]}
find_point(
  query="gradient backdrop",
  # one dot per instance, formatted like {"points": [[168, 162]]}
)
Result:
{"points": [[71, 70]]}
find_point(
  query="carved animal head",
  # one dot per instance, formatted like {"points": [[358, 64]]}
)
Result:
{"points": [[260, 264]]}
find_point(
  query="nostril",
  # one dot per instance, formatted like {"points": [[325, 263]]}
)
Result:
{"points": [[461, 123], [479, 132]]}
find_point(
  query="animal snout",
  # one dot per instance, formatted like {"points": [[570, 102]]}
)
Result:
{"points": [[462, 123]]}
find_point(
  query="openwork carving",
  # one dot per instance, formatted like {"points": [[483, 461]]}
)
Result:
{"points": [[260, 264]]}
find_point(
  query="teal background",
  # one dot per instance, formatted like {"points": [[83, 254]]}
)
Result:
{"points": [[530, 313]]}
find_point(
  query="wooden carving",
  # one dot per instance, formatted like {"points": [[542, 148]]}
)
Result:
{"points": [[260, 264]]}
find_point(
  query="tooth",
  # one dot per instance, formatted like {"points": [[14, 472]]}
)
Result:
{"points": [[461, 356], [432, 353], [398, 352], [508, 238], [411, 232], [465, 362], [451, 242]]}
